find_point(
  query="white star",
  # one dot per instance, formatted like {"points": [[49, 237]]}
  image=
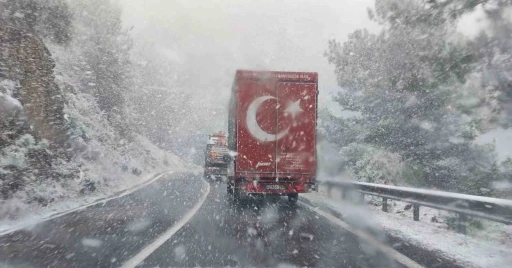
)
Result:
{"points": [[294, 109]]}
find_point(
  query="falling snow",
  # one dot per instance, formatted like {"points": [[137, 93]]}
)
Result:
{"points": [[106, 108]]}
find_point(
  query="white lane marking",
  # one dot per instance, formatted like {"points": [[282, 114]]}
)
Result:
{"points": [[159, 241], [399, 257], [62, 213]]}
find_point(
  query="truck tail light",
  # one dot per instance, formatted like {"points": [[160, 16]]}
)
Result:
{"points": [[250, 187], [254, 186], [299, 188]]}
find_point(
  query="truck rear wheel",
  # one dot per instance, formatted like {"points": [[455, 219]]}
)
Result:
{"points": [[233, 195], [293, 198]]}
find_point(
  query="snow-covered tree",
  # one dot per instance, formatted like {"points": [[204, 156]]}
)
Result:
{"points": [[158, 105], [104, 51], [403, 81], [493, 48]]}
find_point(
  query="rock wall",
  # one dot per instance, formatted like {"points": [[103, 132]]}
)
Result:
{"points": [[25, 58]]}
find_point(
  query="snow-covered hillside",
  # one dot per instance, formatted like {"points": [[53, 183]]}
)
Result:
{"points": [[69, 128]]}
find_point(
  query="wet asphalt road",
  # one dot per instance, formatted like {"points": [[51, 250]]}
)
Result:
{"points": [[269, 233], [106, 234]]}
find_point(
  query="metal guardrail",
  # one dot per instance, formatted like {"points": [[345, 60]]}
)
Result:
{"points": [[493, 209]]}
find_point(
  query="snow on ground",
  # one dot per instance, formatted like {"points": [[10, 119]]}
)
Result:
{"points": [[110, 176], [34, 214], [489, 247], [10, 108]]}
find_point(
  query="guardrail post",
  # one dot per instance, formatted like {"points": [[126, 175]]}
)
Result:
{"points": [[344, 193], [385, 204], [416, 212], [461, 224], [362, 198]]}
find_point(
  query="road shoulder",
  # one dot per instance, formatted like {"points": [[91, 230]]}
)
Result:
{"points": [[420, 241]]}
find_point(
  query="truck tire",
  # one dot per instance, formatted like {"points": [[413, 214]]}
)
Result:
{"points": [[233, 196], [236, 196], [293, 198]]}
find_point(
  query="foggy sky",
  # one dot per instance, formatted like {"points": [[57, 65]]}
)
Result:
{"points": [[207, 40]]}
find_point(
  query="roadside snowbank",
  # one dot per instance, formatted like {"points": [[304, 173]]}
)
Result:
{"points": [[34, 214], [490, 247], [113, 180], [108, 174]]}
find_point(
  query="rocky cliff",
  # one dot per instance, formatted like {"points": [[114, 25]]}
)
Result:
{"points": [[25, 59]]}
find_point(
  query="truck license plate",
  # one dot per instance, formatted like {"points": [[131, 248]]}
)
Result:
{"points": [[274, 187]]}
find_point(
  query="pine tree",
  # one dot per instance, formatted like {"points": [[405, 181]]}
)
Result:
{"points": [[403, 82], [104, 47]]}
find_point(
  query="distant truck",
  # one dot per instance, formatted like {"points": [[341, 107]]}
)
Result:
{"points": [[272, 130], [215, 162]]}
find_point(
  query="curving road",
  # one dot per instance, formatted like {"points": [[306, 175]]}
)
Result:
{"points": [[268, 233]]}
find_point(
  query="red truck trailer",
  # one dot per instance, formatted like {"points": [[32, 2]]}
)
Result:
{"points": [[272, 129]]}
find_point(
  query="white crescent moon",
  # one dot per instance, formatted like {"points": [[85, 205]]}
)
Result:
{"points": [[252, 124]]}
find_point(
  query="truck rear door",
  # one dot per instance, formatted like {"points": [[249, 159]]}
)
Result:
{"points": [[256, 126], [275, 123], [296, 115]]}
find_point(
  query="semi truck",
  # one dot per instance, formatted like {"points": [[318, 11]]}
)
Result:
{"points": [[272, 134], [215, 162]]}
